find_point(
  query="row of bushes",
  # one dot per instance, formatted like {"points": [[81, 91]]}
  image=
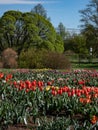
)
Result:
{"points": [[34, 58]]}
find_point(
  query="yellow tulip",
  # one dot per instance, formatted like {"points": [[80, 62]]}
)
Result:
{"points": [[48, 88]]}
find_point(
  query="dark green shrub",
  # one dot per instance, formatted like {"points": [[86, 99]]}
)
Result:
{"points": [[32, 58]]}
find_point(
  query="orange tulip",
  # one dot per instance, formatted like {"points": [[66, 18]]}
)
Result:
{"points": [[94, 119]]}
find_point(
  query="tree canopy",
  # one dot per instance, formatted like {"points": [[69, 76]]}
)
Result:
{"points": [[24, 30], [61, 30], [39, 9], [89, 18]]}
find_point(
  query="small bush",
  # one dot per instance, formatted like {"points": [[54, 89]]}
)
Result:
{"points": [[30, 59], [1, 65], [56, 60], [9, 58]]}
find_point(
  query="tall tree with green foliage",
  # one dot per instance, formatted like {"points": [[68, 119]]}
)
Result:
{"points": [[89, 18], [77, 44], [25, 30], [61, 30], [17, 30], [39, 9]]}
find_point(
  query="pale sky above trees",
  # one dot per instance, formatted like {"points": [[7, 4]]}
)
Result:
{"points": [[65, 11]]}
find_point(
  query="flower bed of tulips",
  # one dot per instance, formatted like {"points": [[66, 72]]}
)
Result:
{"points": [[49, 100]]}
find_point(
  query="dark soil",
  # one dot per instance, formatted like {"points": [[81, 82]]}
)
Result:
{"points": [[21, 127], [18, 127]]}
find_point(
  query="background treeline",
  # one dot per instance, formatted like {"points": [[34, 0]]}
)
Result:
{"points": [[36, 43]]}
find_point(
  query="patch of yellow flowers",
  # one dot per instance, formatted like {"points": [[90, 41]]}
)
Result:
{"points": [[47, 88]]}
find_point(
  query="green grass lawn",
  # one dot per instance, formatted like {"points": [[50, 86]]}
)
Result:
{"points": [[85, 65]]}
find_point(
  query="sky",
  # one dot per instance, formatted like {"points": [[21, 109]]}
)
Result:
{"points": [[64, 11]]}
